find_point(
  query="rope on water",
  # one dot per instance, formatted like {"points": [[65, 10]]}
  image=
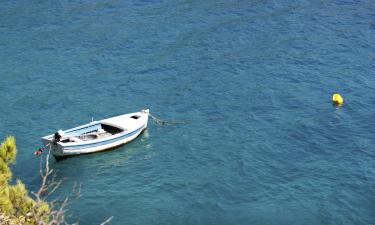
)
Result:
{"points": [[161, 122]]}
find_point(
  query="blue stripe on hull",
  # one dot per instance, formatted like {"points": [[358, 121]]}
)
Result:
{"points": [[82, 146]]}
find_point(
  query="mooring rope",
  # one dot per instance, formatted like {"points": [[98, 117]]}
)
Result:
{"points": [[161, 122]]}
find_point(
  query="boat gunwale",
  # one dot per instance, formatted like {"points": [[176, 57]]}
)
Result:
{"points": [[96, 141], [74, 129], [111, 140], [93, 123], [125, 133]]}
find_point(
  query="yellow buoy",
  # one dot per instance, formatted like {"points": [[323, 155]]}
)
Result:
{"points": [[337, 99]]}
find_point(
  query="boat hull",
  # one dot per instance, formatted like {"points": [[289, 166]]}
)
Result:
{"points": [[60, 153], [132, 128]]}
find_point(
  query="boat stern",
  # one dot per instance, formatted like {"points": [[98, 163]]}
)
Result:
{"points": [[56, 148]]}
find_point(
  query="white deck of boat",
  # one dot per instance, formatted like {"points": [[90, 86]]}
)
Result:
{"points": [[123, 121]]}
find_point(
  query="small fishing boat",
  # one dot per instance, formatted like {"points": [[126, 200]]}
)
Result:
{"points": [[97, 135]]}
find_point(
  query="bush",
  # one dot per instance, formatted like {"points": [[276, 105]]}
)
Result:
{"points": [[16, 206]]}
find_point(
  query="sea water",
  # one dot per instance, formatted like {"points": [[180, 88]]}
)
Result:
{"points": [[264, 144]]}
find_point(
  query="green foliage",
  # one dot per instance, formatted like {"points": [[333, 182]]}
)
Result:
{"points": [[22, 203], [7, 155], [6, 205], [16, 206], [5, 173], [8, 150]]}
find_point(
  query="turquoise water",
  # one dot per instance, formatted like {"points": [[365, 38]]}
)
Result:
{"points": [[264, 146]]}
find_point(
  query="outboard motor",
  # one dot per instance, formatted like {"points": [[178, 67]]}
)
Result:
{"points": [[57, 136]]}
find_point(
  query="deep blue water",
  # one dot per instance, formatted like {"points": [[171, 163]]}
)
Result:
{"points": [[264, 144]]}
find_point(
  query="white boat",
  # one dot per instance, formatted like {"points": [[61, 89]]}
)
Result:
{"points": [[97, 135]]}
